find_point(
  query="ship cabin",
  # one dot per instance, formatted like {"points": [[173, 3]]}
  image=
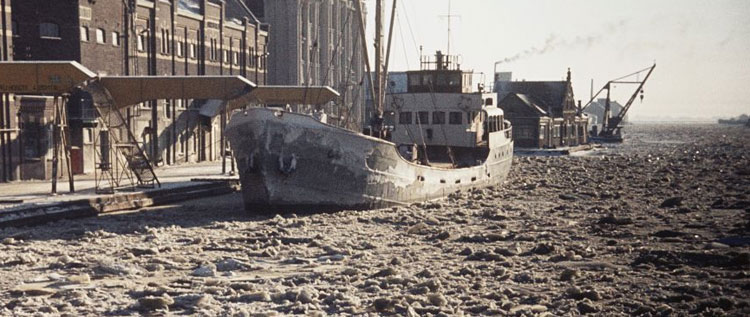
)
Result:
{"points": [[441, 119]]}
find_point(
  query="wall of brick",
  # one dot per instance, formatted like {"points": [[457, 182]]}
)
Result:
{"points": [[144, 37]]}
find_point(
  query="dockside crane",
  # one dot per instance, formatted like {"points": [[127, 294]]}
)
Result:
{"points": [[610, 131]]}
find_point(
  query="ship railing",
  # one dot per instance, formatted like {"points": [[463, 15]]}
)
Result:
{"points": [[509, 129]]}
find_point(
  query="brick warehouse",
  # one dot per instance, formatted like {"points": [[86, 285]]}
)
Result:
{"points": [[136, 38], [317, 42]]}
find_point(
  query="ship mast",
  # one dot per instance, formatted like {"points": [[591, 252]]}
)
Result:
{"points": [[379, 52], [377, 85]]}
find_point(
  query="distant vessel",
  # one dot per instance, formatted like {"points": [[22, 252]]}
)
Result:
{"points": [[739, 120]]}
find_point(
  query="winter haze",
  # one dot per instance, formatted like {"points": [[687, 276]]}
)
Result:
{"points": [[700, 47]]}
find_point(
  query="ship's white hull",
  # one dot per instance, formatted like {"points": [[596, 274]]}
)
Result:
{"points": [[288, 160]]}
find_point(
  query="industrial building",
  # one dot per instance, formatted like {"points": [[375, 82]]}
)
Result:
{"points": [[596, 110], [543, 113], [130, 38]]}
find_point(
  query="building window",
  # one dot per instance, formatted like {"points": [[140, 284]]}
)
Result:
{"points": [[14, 28], [180, 49], [438, 117], [236, 58], [455, 117], [168, 108], [541, 132], [404, 117], [85, 33], [251, 56], [88, 136], [224, 56], [115, 38], [423, 117], [192, 50], [169, 43], [164, 41], [181, 148], [141, 42], [100, 37], [49, 30]]}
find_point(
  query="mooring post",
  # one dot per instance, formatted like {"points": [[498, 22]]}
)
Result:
{"points": [[55, 145]]}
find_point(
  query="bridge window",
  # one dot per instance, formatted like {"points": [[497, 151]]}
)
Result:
{"points": [[404, 118], [438, 117], [441, 80], [414, 80], [49, 30], [427, 80], [455, 117], [423, 117], [473, 116]]}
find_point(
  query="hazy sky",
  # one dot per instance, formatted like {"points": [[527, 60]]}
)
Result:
{"points": [[701, 48]]}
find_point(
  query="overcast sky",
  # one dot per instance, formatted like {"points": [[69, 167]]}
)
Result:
{"points": [[701, 48]]}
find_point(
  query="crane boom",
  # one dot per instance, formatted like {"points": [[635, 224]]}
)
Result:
{"points": [[615, 121], [611, 125]]}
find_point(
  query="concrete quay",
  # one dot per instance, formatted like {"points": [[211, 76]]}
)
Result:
{"points": [[30, 202], [568, 150]]}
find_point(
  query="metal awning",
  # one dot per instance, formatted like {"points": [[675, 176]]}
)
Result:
{"points": [[57, 77], [42, 78], [128, 90]]}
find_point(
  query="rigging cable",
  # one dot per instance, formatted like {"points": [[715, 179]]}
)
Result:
{"points": [[334, 56], [411, 31]]}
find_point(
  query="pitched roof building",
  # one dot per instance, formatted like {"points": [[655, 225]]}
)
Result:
{"points": [[596, 111], [543, 113]]}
